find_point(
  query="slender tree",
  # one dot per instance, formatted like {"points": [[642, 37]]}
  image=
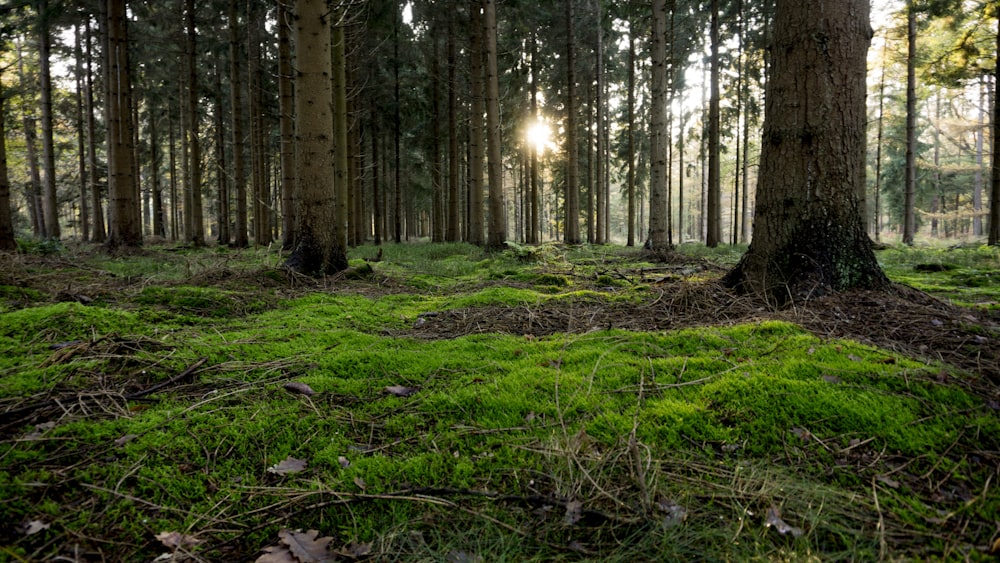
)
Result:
{"points": [[195, 214], [286, 125], [994, 232], [910, 174], [7, 241], [713, 210], [476, 149], [659, 235], [572, 221], [497, 235], [808, 236], [241, 237], [319, 248]]}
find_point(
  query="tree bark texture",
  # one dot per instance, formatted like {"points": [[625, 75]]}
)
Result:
{"points": [[571, 228], [197, 234], [7, 241], [477, 150], [994, 233], [125, 221], [241, 238], [713, 210], [497, 236], [50, 204], [658, 230], [809, 237], [318, 249], [910, 173], [286, 126]]}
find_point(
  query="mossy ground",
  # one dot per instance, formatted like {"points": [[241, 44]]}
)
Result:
{"points": [[598, 443]]}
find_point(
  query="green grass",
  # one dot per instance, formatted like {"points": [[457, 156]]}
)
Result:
{"points": [[502, 434]]}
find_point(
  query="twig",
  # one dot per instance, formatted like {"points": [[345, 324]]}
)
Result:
{"points": [[882, 547], [179, 377]]}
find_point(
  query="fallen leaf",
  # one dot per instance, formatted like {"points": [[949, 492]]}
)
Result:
{"points": [[177, 540], [343, 461], [357, 550], [288, 466], [40, 430], [276, 554], [125, 439], [400, 390], [773, 520], [32, 527], [831, 379], [888, 481], [456, 556], [298, 387], [854, 358], [995, 548], [307, 547], [574, 511], [360, 483], [802, 434]]}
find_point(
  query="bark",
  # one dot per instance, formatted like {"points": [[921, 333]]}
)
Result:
{"points": [[534, 224], [451, 225], [808, 236], [599, 185], [377, 192], [34, 186], [154, 175], [81, 134], [713, 210], [286, 126], [50, 205], [497, 235], [437, 163], [318, 248], [572, 226], [630, 175], [258, 165], [658, 230], [125, 221], [7, 241], [477, 152], [241, 237], [994, 234], [910, 174], [222, 166], [196, 235], [99, 233], [341, 176]]}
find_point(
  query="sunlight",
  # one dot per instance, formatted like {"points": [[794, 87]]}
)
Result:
{"points": [[539, 135]]}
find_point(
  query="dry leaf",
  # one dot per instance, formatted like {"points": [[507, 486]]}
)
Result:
{"points": [[288, 466], [360, 483], [456, 556], [400, 390], [574, 511], [888, 481], [675, 513], [32, 527], [125, 439], [276, 554], [307, 547], [177, 540], [298, 387], [357, 550], [39, 430], [343, 461], [774, 520]]}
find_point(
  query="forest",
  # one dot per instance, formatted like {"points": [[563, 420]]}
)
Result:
{"points": [[440, 280]]}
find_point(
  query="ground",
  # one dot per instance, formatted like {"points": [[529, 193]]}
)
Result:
{"points": [[583, 478]]}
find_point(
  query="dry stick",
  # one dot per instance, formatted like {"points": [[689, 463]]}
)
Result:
{"points": [[179, 377], [881, 525]]}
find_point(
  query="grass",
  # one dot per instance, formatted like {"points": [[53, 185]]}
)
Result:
{"points": [[608, 445]]}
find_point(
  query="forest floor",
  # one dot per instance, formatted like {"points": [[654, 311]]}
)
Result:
{"points": [[544, 403]]}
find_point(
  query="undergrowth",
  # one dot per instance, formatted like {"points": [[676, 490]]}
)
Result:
{"points": [[173, 406]]}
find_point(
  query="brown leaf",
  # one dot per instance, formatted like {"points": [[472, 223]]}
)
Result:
{"points": [[307, 547], [298, 387], [675, 513], [288, 466], [357, 550], [773, 520], [400, 390], [177, 540], [456, 556], [276, 554], [360, 483], [887, 481], [343, 461], [125, 439]]}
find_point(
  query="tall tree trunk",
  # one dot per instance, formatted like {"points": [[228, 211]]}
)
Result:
{"points": [[497, 235], [341, 149], [630, 175], [534, 224], [813, 158], [572, 224], [125, 224], [876, 225], [602, 192], [50, 203], [154, 171], [81, 133], [286, 126], [34, 187], [196, 235], [977, 184], [994, 234], [377, 191], [174, 200], [910, 174], [7, 241], [258, 165], [437, 164], [397, 139], [318, 249], [658, 230], [241, 237], [713, 236], [222, 166], [477, 152], [98, 234]]}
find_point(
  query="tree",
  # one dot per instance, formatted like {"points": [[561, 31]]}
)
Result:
{"points": [[7, 241], [910, 182], [497, 235], [659, 232], [50, 202], [572, 226], [125, 219], [713, 210], [319, 248], [809, 235], [994, 233]]}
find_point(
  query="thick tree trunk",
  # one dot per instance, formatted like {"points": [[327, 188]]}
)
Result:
{"points": [[658, 230], [319, 249], [497, 235], [808, 235], [713, 210], [286, 126], [125, 224], [50, 204]]}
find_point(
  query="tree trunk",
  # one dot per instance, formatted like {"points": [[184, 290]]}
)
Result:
{"points": [[994, 234], [7, 241], [497, 236], [81, 133], [477, 152], [377, 191], [808, 236], [713, 210], [572, 203], [534, 223], [125, 222], [258, 165], [241, 238], [50, 204], [99, 233], [222, 166], [601, 236], [658, 230], [197, 234], [341, 150], [910, 175], [630, 175], [154, 175], [286, 126], [319, 249]]}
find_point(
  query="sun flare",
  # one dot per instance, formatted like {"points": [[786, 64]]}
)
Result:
{"points": [[539, 135]]}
